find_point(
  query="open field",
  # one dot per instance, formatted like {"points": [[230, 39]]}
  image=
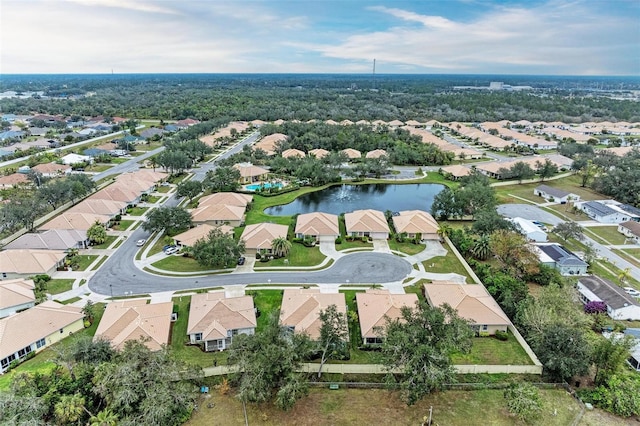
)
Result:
{"points": [[383, 407]]}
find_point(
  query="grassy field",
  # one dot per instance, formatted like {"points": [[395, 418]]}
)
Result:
{"points": [[43, 360], [84, 260], [565, 212], [446, 264], [609, 234], [298, 256], [110, 239], [354, 407], [58, 286], [491, 351], [267, 302], [406, 247]]}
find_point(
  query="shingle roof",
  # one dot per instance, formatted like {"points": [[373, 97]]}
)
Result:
{"points": [[366, 221], [213, 314], [301, 308], [599, 208], [52, 239], [554, 192], [376, 305], [608, 292], [632, 226], [317, 224], [561, 255], [415, 221], [29, 261], [16, 292], [260, 235]]}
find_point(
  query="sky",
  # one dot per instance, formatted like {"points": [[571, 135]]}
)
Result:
{"points": [[553, 37]]}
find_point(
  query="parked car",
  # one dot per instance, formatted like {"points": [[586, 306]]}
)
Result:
{"points": [[171, 250], [140, 243], [632, 291], [241, 261], [167, 247]]}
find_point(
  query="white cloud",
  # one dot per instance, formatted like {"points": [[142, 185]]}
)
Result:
{"points": [[137, 5]]}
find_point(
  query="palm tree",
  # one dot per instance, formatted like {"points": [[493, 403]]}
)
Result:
{"points": [[482, 247], [444, 231], [280, 246], [624, 275], [104, 418]]}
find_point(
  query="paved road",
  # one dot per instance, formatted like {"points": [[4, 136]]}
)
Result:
{"points": [[128, 166]]}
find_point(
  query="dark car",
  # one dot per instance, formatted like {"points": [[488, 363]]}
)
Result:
{"points": [[241, 261]]}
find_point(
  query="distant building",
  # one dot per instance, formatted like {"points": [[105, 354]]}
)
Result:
{"points": [[554, 194], [556, 256], [620, 305], [609, 211], [530, 230], [631, 230]]}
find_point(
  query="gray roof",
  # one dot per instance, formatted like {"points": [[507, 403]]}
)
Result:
{"points": [[630, 209], [561, 255], [599, 208], [632, 226], [53, 239], [554, 192], [611, 294]]}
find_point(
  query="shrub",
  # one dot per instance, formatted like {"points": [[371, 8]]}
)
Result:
{"points": [[258, 256], [502, 335], [338, 240], [118, 218], [595, 308]]}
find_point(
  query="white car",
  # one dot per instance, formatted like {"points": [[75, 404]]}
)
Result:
{"points": [[140, 243], [632, 291], [171, 250]]}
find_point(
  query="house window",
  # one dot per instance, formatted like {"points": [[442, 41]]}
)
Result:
{"points": [[373, 340], [40, 343], [198, 337], [485, 327], [62, 330]]}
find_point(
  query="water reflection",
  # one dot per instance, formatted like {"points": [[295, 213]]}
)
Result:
{"points": [[345, 198]]}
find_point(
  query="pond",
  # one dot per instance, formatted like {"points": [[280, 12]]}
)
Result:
{"points": [[346, 198]]}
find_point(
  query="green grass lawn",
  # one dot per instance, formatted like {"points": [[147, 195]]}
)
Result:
{"points": [[491, 351], [70, 301], [101, 167], [58, 286], [110, 239], [608, 233], [407, 247], [567, 212], [569, 184], [177, 263], [137, 211], [99, 264], [267, 302], [298, 256], [152, 199], [383, 407], [84, 260], [162, 189], [446, 264], [43, 361], [179, 339], [123, 225], [630, 255], [344, 245]]}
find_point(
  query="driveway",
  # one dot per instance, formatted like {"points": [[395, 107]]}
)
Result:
{"points": [[530, 212]]}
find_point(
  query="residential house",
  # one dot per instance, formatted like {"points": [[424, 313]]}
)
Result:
{"points": [[71, 159], [620, 305], [352, 154], [228, 198], [38, 131], [36, 329], [270, 143], [120, 192], [300, 309], [52, 170], [293, 153], [14, 179], [634, 353], [555, 195], [52, 239], [219, 214], [191, 236], [104, 207], [11, 134], [472, 302], [608, 211], [376, 153], [529, 229], [15, 296], [250, 173], [19, 263], [319, 153], [455, 172], [214, 319], [151, 132], [556, 256], [319, 226], [78, 221], [414, 222], [375, 306], [126, 320], [630, 229], [258, 237], [367, 223]]}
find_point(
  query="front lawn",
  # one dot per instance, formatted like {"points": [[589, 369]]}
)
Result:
{"points": [[178, 263], [110, 239], [161, 189], [57, 286], [491, 351], [267, 302], [123, 225], [609, 234], [446, 264], [298, 256], [84, 260], [407, 247], [137, 211], [344, 245]]}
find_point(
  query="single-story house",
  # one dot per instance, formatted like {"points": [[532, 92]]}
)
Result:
{"points": [[292, 153], [319, 153], [71, 159], [25, 263], [367, 223], [258, 237], [529, 229], [375, 306], [118, 191], [554, 194], [556, 256], [134, 320], [215, 318], [16, 295], [250, 173], [300, 309], [228, 198], [270, 143], [35, 329], [631, 230], [414, 222], [106, 207], [376, 153], [14, 179], [52, 170], [51, 239], [218, 214], [352, 154], [151, 132], [606, 212], [634, 353], [472, 302], [188, 238], [620, 305], [319, 226], [78, 221]]}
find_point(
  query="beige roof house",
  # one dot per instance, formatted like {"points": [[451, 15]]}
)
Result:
{"points": [[365, 223], [352, 153], [218, 214], [301, 308], [413, 222], [99, 207], [134, 320], [52, 239], [80, 221], [35, 329], [395, 123], [24, 263], [472, 301], [413, 123], [376, 153], [269, 143], [118, 191], [260, 235], [319, 152], [228, 198], [317, 225], [375, 306], [52, 169], [346, 123], [292, 152], [9, 181], [250, 173], [456, 171], [16, 295], [189, 238], [214, 319], [331, 122]]}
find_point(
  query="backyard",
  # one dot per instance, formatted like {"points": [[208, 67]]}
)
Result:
{"points": [[446, 264], [179, 339], [491, 351]]}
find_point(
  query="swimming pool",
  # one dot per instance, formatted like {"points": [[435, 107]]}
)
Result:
{"points": [[265, 185]]}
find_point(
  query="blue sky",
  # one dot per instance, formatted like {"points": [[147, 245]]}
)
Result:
{"points": [[566, 37]]}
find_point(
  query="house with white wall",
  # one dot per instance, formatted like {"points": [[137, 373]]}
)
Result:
{"points": [[620, 305]]}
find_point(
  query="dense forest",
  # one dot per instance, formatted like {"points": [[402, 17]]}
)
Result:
{"points": [[337, 97]]}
